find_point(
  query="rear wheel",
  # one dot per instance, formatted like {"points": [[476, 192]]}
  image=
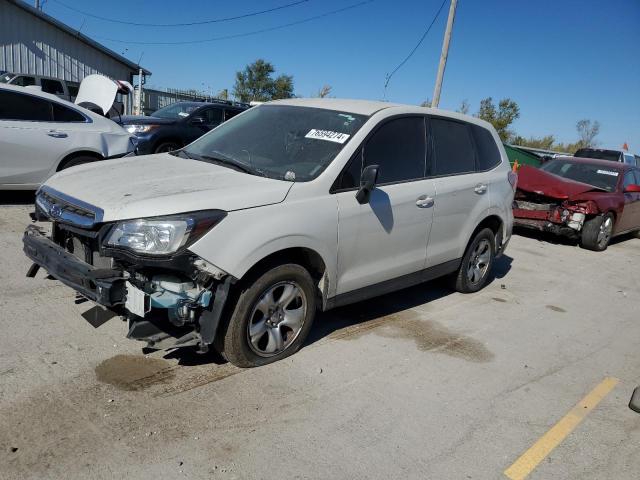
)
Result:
{"points": [[166, 147], [75, 161], [596, 232], [477, 262], [271, 318]]}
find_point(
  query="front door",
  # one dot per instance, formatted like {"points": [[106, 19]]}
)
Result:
{"points": [[386, 238], [630, 218]]}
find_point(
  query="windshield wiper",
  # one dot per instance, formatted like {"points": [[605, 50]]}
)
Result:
{"points": [[222, 159]]}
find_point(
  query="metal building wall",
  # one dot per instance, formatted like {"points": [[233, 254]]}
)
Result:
{"points": [[31, 45]]}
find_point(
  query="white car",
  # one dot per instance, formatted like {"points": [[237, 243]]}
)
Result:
{"points": [[291, 207], [41, 134]]}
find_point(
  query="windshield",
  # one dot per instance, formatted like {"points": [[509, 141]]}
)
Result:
{"points": [[596, 175], [176, 110], [5, 77], [601, 154], [280, 141]]}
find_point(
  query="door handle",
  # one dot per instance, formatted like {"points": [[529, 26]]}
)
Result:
{"points": [[480, 188], [423, 201], [54, 134]]}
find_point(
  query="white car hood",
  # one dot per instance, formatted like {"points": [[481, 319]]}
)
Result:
{"points": [[163, 184]]}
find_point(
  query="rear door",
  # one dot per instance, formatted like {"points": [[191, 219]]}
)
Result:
{"points": [[386, 238], [462, 192], [31, 141]]}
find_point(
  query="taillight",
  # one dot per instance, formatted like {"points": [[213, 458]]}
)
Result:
{"points": [[513, 179]]}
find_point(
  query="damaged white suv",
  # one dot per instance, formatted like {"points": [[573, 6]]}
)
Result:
{"points": [[291, 207]]}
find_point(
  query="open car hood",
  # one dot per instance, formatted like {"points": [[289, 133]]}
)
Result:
{"points": [[538, 181], [163, 184], [101, 91]]}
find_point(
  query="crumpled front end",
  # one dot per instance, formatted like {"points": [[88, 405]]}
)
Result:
{"points": [[169, 301], [561, 217]]}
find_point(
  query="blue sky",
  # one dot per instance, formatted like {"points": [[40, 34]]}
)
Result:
{"points": [[561, 60]]}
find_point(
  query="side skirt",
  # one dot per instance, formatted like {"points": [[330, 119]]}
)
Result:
{"points": [[394, 284]]}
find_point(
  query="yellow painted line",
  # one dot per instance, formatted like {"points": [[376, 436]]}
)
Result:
{"points": [[550, 440]]}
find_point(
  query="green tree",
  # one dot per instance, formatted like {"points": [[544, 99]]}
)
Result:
{"points": [[426, 103], [256, 83], [502, 117], [545, 143]]}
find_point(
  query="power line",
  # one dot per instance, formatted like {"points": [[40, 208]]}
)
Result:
{"points": [[186, 24], [244, 34], [424, 35]]}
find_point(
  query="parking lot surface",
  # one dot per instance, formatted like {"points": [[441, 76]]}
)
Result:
{"points": [[423, 383]]}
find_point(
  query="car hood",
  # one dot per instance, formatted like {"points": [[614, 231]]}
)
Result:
{"points": [[538, 181], [163, 184], [142, 120]]}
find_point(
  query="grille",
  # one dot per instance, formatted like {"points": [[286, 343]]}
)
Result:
{"points": [[62, 208]]}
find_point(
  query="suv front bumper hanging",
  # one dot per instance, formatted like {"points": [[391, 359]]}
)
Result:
{"points": [[102, 285]]}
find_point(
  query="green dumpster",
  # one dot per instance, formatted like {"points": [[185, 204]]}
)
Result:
{"points": [[522, 156]]}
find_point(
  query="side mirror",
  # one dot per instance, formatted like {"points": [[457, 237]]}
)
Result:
{"points": [[197, 121], [368, 181], [632, 189]]}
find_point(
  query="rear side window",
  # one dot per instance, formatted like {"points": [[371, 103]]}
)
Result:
{"points": [[51, 86], [64, 114], [230, 114], [399, 148], [23, 81], [17, 106], [213, 117], [453, 148], [73, 89], [488, 153]]}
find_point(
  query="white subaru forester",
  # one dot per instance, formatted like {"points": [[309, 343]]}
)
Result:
{"points": [[291, 207]]}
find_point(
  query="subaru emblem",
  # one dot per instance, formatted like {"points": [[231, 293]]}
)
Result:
{"points": [[55, 211]]}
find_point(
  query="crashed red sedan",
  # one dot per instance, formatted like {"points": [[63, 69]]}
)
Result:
{"points": [[587, 199]]}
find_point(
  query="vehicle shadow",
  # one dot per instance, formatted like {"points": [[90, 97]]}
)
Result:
{"points": [[17, 197], [327, 323], [624, 238]]}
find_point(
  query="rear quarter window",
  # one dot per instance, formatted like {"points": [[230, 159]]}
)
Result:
{"points": [[64, 114], [488, 153]]}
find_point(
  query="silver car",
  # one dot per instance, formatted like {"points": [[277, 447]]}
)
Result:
{"points": [[41, 134], [291, 207]]}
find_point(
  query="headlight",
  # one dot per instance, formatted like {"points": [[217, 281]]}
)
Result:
{"points": [[138, 128], [162, 236]]}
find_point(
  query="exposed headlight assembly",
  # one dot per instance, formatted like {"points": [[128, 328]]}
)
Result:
{"points": [[138, 128], [162, 235]]}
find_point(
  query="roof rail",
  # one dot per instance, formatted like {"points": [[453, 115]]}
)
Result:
{"points": [[228, 102]]}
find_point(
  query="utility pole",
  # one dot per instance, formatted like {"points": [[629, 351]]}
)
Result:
{"points": [[139, 92], [444, 55]]}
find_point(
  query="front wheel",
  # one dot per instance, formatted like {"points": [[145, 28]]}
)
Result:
{"points": [[596, 232], [271, 318], [476, 264]]}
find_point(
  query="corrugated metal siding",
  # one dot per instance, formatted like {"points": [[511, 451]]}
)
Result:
{"points": [[30, 45]]}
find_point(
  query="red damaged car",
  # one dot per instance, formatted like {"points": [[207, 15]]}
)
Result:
{"points": [[591, 200]]}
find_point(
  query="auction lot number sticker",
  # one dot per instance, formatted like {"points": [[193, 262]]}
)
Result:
{"points": [[327, 135]]}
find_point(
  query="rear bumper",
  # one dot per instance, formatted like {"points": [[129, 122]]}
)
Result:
{"points": [[104, 286]]}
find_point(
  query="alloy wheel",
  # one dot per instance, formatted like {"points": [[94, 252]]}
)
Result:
{"points": [[479, 261], [277, 319]]}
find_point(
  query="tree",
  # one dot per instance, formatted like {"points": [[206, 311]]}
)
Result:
{"points": [[464, 107], [545, 143], [587, 132], [255, 83], [223, 94], [506, 113], [324, 92], [426, 103]]}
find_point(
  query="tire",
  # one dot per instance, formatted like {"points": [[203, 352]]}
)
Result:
{"points": [[477, 262], [75, 161], [596, 232], [166, 147], [276, 335]]}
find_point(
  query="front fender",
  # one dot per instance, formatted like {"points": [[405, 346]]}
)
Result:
{"points": [[245, 237]]}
